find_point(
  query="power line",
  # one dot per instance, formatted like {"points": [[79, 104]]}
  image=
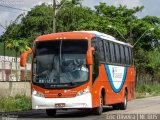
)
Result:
{"points": [[2, 26], [7, 11], [13, 8]]}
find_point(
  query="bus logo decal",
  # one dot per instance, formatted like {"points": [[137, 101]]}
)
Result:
{"points": [[116, 76], [59, 94]]}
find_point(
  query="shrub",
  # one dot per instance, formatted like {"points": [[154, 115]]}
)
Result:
{"points": [[17, 103]]}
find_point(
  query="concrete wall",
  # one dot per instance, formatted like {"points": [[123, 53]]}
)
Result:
{"points": [[14, 88]]}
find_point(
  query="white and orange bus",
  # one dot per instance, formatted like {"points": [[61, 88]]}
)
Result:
{"points": [[80, 70]]}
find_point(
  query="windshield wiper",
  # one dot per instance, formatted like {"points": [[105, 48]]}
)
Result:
{"points": [[72, 83]]}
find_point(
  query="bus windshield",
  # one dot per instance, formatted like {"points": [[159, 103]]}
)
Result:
{"points": [[60, 63]]}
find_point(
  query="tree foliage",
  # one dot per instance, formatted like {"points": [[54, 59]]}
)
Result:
{"points": [[17, 45], [74, 16], [37, 22]]}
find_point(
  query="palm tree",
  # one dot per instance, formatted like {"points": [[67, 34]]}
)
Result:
{"points": [[18, 46]]}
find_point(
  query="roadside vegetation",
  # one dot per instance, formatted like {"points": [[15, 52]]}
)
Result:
{"points": [[147, 90], [17, 103], [22, 102], [7, 51]]}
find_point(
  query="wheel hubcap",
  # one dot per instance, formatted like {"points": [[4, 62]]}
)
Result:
{"points": [[125, 100], [101, 107]]}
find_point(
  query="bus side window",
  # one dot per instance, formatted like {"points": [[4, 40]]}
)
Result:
{"points": [[94, 44], [95, 66], [117, 52], [97, 43], [127, 55], [112, 51], [123, 61], [107, 51], [101, 51]]}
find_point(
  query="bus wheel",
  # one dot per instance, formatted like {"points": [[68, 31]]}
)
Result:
{"points": [[123, 106], [99, 110], [115, 107], [51, 112]]}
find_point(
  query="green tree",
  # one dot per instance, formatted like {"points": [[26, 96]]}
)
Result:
{"points": [[19, 46], [74, 16], [37, 22]]}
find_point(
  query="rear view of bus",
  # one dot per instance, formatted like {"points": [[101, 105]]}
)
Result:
{"points": [[68, 73]]}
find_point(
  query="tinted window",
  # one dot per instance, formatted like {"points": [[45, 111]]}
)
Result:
{"points": [[97, 43], [117, 51], [101, 51], [107, 51], [122, 55], [95, 66], [127, 55], [60, 62], [94, 43], [112, 52]]}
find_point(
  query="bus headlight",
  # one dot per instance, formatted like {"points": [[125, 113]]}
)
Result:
{"points": [[85, 91], [36, 93]]}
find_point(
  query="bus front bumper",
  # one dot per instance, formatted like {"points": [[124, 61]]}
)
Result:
{"points": [[83, 101]]}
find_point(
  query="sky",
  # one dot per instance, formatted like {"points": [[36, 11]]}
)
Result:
{"points": [[7, 15]]}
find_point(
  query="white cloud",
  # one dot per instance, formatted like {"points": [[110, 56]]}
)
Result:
{"points": [[92, 3], [7, 14], [128, 3], [4, 16]]}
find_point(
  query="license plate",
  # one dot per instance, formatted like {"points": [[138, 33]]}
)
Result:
{"points": [[60, 105]]}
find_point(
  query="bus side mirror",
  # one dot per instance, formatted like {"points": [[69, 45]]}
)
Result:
{"points": [[24, 58], [90, 56]]}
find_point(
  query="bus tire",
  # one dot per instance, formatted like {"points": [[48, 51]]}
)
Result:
{"points": [[115, 106], [51, 112], [123, 106], [99, 110]]}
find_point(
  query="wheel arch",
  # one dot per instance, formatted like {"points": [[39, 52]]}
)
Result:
{"points": [[103, 93], [125, 91]]}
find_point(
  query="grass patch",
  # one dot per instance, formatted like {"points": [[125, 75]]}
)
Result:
{"points": [[146, 90], [17, 103]]}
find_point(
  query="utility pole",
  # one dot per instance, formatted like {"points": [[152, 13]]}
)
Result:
{"points": [[54, 16]]}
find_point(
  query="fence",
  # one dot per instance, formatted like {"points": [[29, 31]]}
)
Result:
{"points": [[10, 70]]}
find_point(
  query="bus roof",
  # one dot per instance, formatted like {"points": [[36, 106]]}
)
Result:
{"points": [[80, 34], [106, 37]]}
